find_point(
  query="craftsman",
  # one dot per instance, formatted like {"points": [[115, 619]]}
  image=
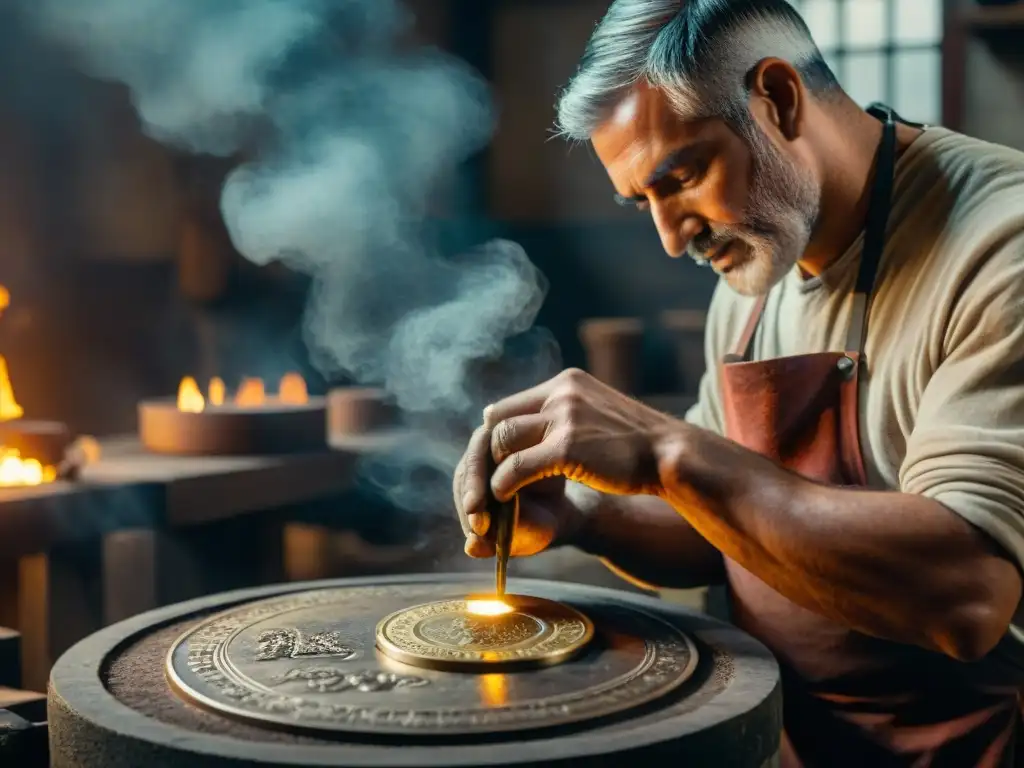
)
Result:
{"points": [[854, 468]]}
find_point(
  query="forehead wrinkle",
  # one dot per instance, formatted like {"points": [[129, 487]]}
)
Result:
{"points": [[636, 152], [631, 162], [624, 167]]}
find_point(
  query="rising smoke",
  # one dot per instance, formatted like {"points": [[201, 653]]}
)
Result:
{"points": [[347, 135]]}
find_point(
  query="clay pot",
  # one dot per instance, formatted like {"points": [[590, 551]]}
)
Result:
{"points": [[44, 441], [614, 349], [359, 411]]}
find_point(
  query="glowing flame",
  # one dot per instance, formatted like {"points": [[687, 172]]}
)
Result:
{"points": [[190, 399], [15, 470], [292, 390], [251, 392], [217, 391], [488, 607], [9, 408]]}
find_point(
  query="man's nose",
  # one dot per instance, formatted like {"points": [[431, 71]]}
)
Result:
{"points": [[676, 231]]}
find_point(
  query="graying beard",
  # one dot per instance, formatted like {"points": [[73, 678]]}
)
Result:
{"points": [[778, 192]]}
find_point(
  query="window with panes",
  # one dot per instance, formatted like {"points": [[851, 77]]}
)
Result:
{"points": [[883, 50]]}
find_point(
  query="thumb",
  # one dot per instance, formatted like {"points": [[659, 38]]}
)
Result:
{"points": [[537, 529]]}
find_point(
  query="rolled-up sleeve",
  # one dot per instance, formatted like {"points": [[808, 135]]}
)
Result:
{"points": [[966, 449]]}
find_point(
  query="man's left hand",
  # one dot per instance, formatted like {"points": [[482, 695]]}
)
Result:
{"points": [[575, 427]]}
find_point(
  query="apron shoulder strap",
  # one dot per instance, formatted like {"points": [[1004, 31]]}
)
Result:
{"points": [[875, 228], [743, 347]]}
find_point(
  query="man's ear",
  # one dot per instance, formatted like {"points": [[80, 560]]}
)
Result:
{"points": [[777, 98]]}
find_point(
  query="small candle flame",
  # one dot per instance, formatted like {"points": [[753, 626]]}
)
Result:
{"points": [[251, 393], [216, 391], [292, 390], [488, 607], [190, 399]]}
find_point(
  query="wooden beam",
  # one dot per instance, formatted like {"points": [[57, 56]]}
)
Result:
{"points": [[202, 489], [59, 603], [954, 67], [41, 517], [146, 569], [992, 18], [131, 573]]}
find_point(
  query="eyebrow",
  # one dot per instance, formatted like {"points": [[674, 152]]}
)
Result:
{"points": [[679, 158]]}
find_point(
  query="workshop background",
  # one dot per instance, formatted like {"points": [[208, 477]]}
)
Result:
{"points": [[122, 281]]}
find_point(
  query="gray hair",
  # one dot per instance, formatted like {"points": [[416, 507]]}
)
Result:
{"points": [[699, 52]]}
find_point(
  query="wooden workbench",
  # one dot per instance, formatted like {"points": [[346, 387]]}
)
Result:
{"points": [[136, 531]]}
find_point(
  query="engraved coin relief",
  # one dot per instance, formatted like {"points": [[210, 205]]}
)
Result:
{"points": [[472, 632], [290, 643], [639, 657], [330, 680]]}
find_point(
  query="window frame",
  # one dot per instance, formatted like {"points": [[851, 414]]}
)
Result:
{"points": [[837, 56]]}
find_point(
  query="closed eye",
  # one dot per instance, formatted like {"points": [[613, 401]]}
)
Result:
{"points": [[681, 170], [680, 179], [666, 187]]}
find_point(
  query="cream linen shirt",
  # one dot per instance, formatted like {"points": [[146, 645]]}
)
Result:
{"points": [[942, 401]]}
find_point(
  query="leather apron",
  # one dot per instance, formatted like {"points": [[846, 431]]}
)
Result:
{"points": [[850, 700]]}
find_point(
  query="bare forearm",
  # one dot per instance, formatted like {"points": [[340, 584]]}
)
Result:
{"points": [[645, 541], [888, 564]]}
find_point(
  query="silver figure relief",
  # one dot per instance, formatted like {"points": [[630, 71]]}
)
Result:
{"points": [[290, 643]]}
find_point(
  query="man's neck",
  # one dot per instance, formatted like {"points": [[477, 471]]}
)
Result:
{"points": [[850, 147]]}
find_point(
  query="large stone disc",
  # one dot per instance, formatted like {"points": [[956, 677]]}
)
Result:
{"points": [[308, 661], [288, 677]]}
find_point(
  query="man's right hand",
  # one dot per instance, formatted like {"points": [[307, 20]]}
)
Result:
{"points": [[546, 515]]}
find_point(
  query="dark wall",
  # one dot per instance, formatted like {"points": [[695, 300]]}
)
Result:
{"points": [[92, 215], [92, 225], [993, 82], [87, 219]]}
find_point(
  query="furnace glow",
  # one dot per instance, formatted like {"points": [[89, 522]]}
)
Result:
{"points": [[14, 469], [9, 408]]}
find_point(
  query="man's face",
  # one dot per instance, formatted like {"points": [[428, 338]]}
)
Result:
{"points": [[738, 203]]}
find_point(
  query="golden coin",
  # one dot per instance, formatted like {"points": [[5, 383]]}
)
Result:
{"points": [[482, 634]]}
